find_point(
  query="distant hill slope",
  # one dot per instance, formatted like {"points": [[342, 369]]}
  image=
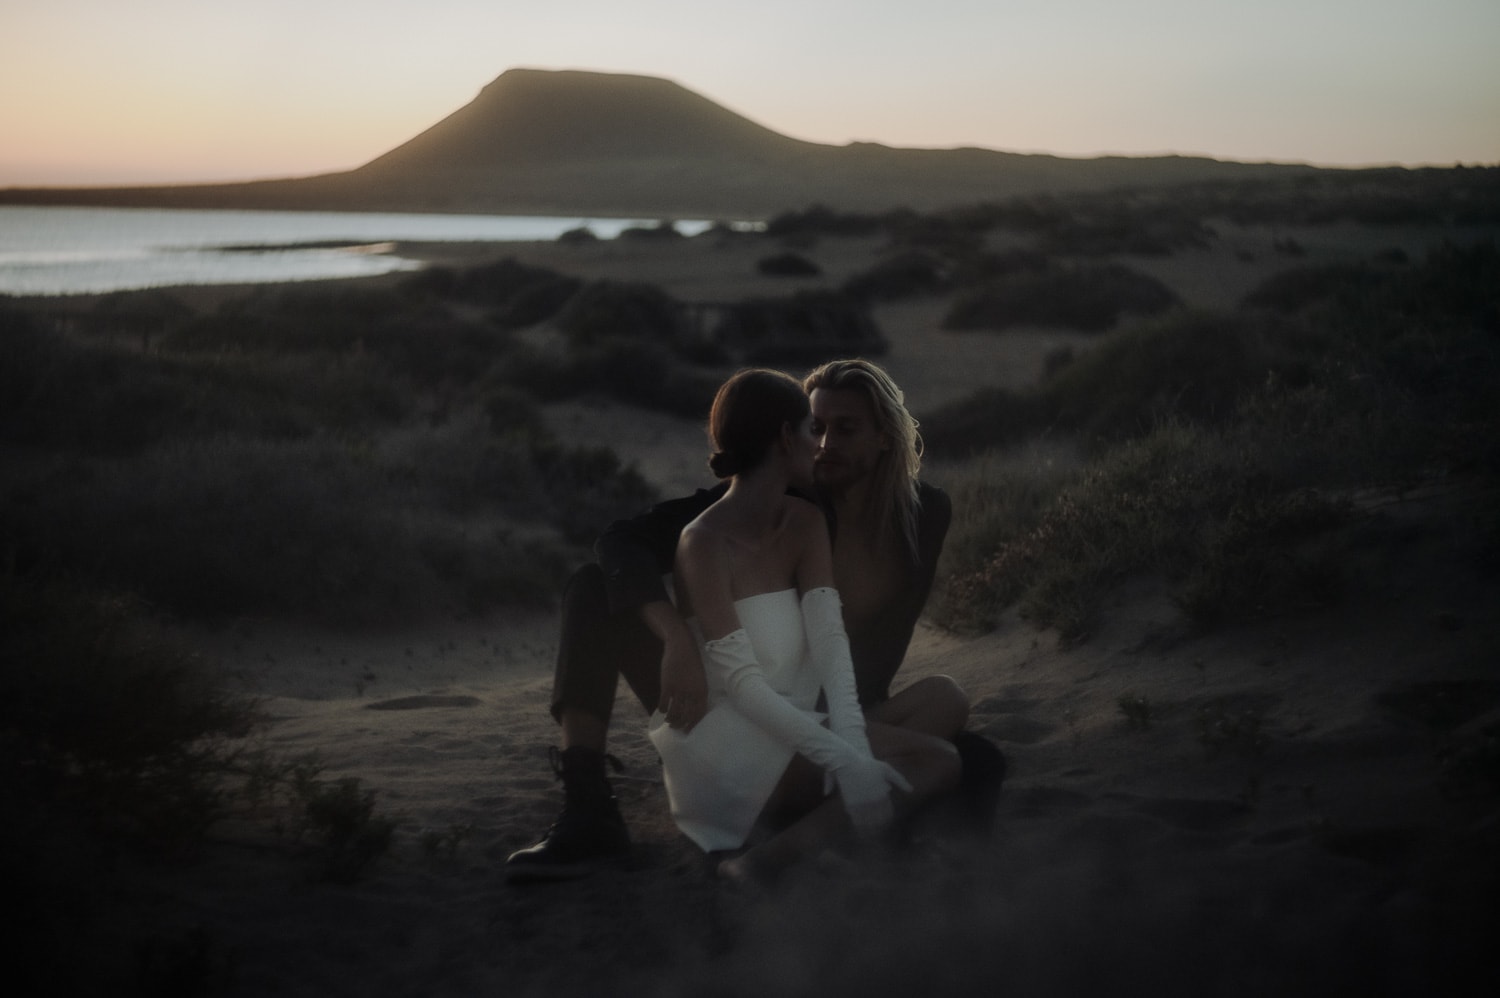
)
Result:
{"points": [[580, 143]]}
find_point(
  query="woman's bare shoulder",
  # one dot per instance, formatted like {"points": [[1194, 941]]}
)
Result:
{"points": [[702, 543]]}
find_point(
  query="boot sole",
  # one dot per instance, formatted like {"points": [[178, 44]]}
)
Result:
{"points": [[553, 873]]}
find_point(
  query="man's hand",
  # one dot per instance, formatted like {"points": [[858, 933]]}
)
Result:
{"points": [[684, 687]]}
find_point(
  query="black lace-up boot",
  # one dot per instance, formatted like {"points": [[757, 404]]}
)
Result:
{"points": [[588, 829]]}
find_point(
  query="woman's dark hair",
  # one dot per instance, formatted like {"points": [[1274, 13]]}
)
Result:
{"points": [[749, 412]]}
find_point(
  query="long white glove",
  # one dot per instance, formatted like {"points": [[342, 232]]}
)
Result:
{"points": [[866, 792], [828, 642], [864, 782]]}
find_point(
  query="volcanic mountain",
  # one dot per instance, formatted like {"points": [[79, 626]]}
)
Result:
{"points": [[581, 143]]}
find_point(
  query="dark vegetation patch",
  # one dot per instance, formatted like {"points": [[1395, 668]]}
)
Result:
{"points": [[606, 310], [1090, 299], [1382, 197], [663, 230], [804, 329], [903, 274], [115, 746], [1230, 447], [516, 294], [1190, 365], [787, 265]]}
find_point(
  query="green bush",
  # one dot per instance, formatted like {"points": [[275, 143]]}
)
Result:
{"points": [[988, 419], [1195, 367], [1085, 298], [804, 329], [787, 265], [903, 275], [1174, 504], [609, 310], [117, 745], [105, 718], [819, 221], [517, 294], [1251, 515], [420, 339], [1189, 367], [321, 527], [1294, 290]]}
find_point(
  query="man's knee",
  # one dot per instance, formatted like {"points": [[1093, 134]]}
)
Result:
{"points": [[943, 696], [585, 595]]}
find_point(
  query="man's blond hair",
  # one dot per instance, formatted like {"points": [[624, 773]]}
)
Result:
{"points": [[895, 486]]}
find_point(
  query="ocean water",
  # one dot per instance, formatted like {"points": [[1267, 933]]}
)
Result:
{"points": [[62, 251]]}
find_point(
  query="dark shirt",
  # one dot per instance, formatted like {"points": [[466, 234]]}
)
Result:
{"points": [[637, 552]]}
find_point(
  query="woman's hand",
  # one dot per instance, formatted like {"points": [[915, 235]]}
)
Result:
{"points": [[684, 687], [865, 785]]}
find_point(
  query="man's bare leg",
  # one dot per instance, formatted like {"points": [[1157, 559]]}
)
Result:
{"points": [[929, 763], [935, 705]]}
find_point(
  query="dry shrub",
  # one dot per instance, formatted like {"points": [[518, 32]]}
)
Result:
{"points": [[1090, 299]]}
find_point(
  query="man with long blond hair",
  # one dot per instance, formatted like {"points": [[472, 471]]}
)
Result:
{"points": [[887, 528]]}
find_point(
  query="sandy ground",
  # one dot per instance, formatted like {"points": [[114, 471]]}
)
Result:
{"points": [[1275, 820]]}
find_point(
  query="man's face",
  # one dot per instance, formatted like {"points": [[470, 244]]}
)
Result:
{"points": [[849, 441]]}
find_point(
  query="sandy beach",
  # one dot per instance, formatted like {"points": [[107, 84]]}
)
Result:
{"points": [[1263, 810]]}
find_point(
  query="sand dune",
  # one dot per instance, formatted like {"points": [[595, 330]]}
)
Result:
{"points": [[1274, 824]]}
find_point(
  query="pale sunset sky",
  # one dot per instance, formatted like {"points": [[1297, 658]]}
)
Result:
{"points": [[114, 92]]}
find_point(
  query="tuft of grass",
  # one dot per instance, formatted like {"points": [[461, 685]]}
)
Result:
{"points": [[350, 835]]}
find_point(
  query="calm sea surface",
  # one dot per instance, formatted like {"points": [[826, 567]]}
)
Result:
{"points": [[61, 251]]}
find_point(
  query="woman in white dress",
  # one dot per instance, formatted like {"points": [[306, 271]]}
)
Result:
{"points": [[754, 577]]}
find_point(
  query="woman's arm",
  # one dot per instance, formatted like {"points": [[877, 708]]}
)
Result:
{"points": [[823, 623]]}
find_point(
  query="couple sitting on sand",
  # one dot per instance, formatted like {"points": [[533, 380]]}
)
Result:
{"points": [[795, 590]]}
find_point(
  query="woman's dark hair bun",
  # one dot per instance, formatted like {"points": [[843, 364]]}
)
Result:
{"points": [[750, 412], [723, 464]]}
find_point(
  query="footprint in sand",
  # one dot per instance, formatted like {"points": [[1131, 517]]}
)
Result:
{"points": [[421, 701]]}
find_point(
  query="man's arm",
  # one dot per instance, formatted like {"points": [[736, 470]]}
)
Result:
{"points": [[636, 553]]}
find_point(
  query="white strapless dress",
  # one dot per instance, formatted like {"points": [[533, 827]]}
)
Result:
{"points": [[720, 775]]}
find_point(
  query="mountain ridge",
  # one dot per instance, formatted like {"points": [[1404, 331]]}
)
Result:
{"points": [[575, 142]]}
